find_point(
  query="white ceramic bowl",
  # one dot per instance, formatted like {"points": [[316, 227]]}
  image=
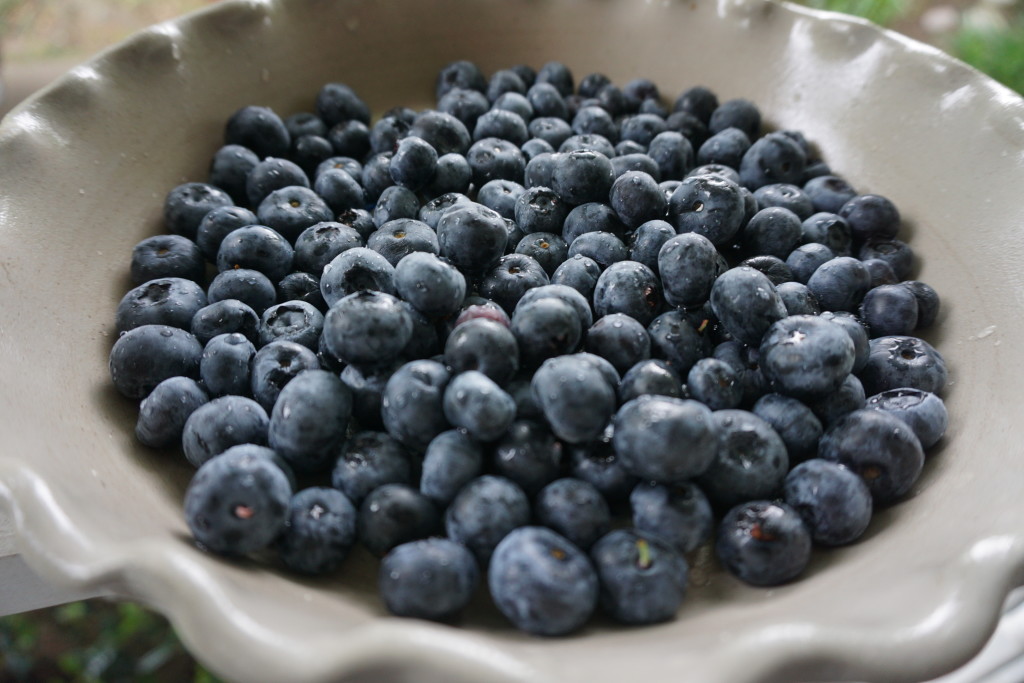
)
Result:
{"points": [[84, 167]]}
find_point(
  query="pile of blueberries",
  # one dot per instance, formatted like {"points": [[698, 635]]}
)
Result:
{"points": [[550, 337]]}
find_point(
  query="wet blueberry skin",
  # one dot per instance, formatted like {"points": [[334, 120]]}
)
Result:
{"points": [[647, 433], [229, 168], [746, 303], [472, 237], [794, 421], [773, 158], [163, 256], [545, 328], [356, 269], [251, 287], [542, 583], [575, 509], [367, 460], [678, 514], [631, 288], [751, 461], [309, 420], [620, 339], [879, 447], [547, 248], [642, 579], [220, 424], [274, 365], [162, 414], [889, 310], [708, 205], [725, 147], [871, 217], [575, 396], [675, 340], [367, 328], [563, 293], [840, 283], [145, 356], [636, 198], [393, 514], [483, 512], [833, 501], [393, 203], [403, 236], [483, 345], [259, 129], [582, 176], [433, 578], [269, 175], [806, 258], [806, 356], [579, 272], [903, 361], [226, 365], [511, 278], [829, 229], [829, 192], [452, 459], [414, 163], [602, 247], [319, 244], [528, 454], [295, 321], [303, 288], [169, 301], [319, 531], [650, 377], [763, 543], [923, 411], [237, 503], [688, 265], [714, 383], [798, 299], [187, 204], [474, 402], [772, 230], [290, 210], [411, 405], [433, 286]]}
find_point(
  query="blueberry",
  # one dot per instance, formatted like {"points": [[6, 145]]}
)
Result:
{"points": [[889, 310], [628, 287], [453, 458], [228, 421], [923, 411], [453, 174], [725, 147], [505, 125], [772, 230], [828, 192], [367, 328], [650, 377], [167, 256], [689, 265], [763, 543], [309, 420], [581, 176], [501, 196], [229, 169], [511, 278], [472, 237], [162, 414], [806, 356], [303, 288], [256, 247], [319, 531], [411, 405], [237, 503], [226, 365], [806, 258], [784, 196], [708, 205], [673, 153], [145, 356], [678, 514], [355, 270], [591, 84], [871, 218], [636, 198], [829, 229], [493, 158], [751, 461], [464, 104], [834, 503], [270, 175], [432, 286], [897, 254], [736, 113], [774, 158], [319, 244], [928, 303], [259, 129], [339, 190], [395, 202], [547, 101], [879, 447], [368, 460], [459, 74], [576, 398], [518, 103], [217, 224], [844, 400], [292, 209], [620, 339], [564, 293], [483, 345], [840, 283], [575, 509], [431, 212], [432, 578], [902, 361], [545, 328], [542, 583], [337, 102], [714, 383], [474, 402], [648, 429], [797, 425], [483, 512], [402, 236], [746, 303], [579, 272], [635, 161], [675, 340], [881, 272], [250, 287], [528, 454], [504, 81], [442, 131], [376, 176], [358, 219], [858, 334], [308, 151], [171, 301], [643, 581], [798, 299], [367, 387], [394, 514], [540, 210], [594, 120], [350, 138], [596, 462]]}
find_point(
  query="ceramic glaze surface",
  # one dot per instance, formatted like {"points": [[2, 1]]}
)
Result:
{"points": [[84, 168]]}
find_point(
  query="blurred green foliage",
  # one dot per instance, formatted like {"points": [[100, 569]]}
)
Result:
{"points": [[93, 641], [998, 52], [883, 12]]}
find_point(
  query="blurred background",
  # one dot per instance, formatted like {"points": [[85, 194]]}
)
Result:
{"points": [[98, 640]]}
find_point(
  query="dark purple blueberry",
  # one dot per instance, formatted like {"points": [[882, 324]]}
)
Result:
{"points": [[797, 425], [575, 396], [750, 463], [923, 411], [648, 429], [806, 356], [319, 531], [763, 543], [643, 580], [145, 356], [575, 509], [367, 328], [171, 301], [167, 256], [228, 421], [903, 361], [483, 512], [432, 578], [833, 501], [678, 514], [453, 458], [226, 366], [393, 514], [368, 460], [162, 414], [310, 420]]}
